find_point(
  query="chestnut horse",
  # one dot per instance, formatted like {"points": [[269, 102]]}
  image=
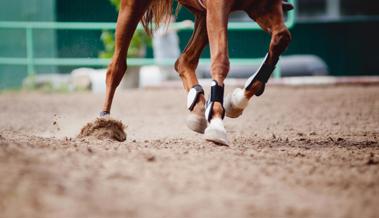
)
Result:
{"points": [[211, 21]]}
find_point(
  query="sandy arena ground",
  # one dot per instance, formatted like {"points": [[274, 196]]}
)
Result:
{"points": [[296, 152]]}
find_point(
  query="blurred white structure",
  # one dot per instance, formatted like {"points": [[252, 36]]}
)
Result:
{"points": [[88, 79], [166, 46], [151, 76]]}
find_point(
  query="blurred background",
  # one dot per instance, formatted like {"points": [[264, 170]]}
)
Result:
{"points": [[64, 45]]}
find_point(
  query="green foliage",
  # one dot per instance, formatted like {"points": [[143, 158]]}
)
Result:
{"points": [[107, 37], [137, 46], [116, 3]]}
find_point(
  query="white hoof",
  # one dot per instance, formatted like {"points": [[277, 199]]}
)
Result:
{"points": [[235, 103], [104, 114], [196, 123], [216, 132]]}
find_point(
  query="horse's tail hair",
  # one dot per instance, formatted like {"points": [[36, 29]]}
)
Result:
{"points": [[158, 12]]}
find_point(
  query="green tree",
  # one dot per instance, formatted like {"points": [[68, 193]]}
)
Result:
{"points": [[137, 46]]}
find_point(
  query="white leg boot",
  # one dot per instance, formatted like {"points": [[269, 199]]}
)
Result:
{"points": [[215, 131], [235, 103]]}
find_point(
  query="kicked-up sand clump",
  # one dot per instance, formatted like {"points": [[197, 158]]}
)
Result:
{"points": [[104, 128]]}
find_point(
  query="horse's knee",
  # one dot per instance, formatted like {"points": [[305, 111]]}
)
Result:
{"points": [[220, 66], [280, 41]]}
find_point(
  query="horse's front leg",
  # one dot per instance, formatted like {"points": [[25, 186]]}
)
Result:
{"points": [[131, 12], [272, 21], [186, 66], [217, 21]]}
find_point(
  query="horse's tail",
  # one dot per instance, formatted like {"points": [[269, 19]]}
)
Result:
{"points": [[158, 12]]}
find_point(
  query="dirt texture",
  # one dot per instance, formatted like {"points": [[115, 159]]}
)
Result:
{"points": [[296, 152], [104, 128]]}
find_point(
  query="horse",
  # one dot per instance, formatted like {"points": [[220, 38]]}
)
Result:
{"points": [[210, 27]]}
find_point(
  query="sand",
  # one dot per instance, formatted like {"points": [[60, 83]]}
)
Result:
{"points": [[104, 128], [295, 152]]}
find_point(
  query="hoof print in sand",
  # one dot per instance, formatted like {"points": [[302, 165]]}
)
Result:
{"points": [[104, 128]]}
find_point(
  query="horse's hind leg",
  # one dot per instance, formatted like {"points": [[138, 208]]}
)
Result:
{"points": [[186, 66], [272, 21], [131, 12]]}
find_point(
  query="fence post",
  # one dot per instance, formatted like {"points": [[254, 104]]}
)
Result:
{"points": [[277, 72], [29, 51]]}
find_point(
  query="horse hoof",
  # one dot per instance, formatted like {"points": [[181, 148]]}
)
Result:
{"points": [[230, 110], [196, 123], [216, 132], [235, 103], [104, 114]]}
